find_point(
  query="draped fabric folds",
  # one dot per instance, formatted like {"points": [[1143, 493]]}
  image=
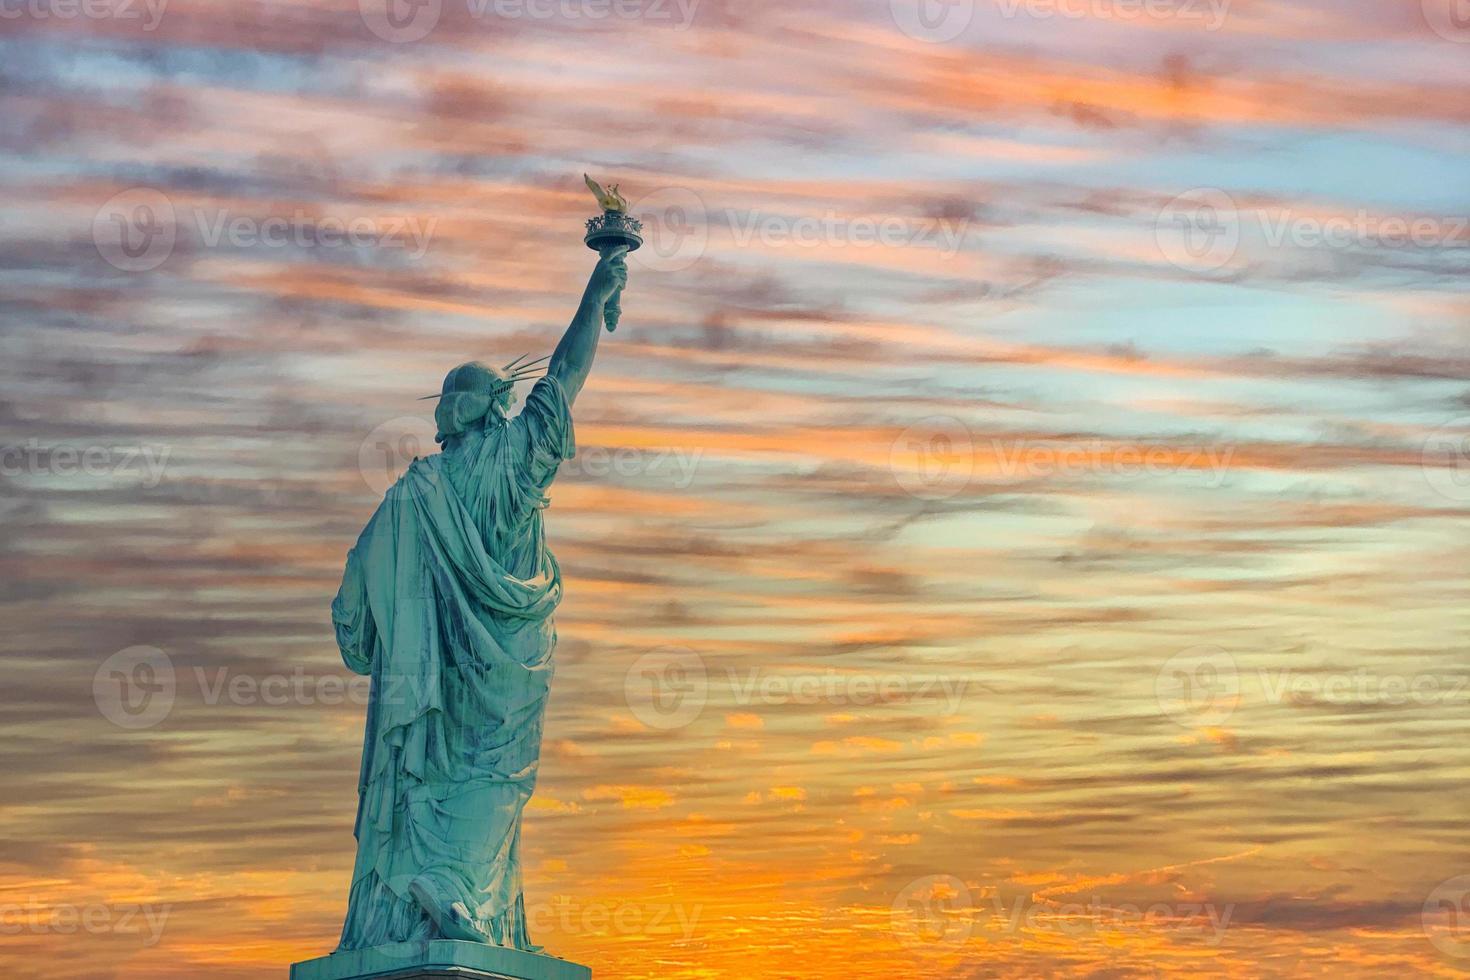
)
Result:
{"points": [[446, 601]]}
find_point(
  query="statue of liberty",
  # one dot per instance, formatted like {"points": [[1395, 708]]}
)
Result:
{"points": [[447, 602]]}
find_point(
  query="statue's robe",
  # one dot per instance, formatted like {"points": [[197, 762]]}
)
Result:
{"points": [[446, 602]]}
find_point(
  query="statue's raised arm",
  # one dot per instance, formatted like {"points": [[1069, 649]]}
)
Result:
{"points": [[572, 360]]}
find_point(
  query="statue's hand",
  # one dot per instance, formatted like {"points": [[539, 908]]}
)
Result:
{"points": [[610, 275]]}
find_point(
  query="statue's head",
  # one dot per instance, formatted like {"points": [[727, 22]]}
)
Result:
{"points": [[477, 394]]}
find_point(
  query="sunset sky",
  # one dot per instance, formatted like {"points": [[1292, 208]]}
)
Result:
{"points": [[1019, 528]]}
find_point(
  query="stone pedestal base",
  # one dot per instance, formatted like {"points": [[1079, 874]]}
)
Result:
{"points": [[441, 959]]}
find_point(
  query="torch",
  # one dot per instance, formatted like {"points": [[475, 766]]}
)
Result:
{"points": [[610, 229]]}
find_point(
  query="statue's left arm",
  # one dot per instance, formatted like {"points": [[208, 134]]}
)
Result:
{"points": [[352, 614], [572, 360]]}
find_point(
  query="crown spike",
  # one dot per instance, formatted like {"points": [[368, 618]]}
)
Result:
{"points": [[516, 365]]}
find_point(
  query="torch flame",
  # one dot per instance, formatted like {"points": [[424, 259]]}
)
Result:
{"points": [[609, 198]]}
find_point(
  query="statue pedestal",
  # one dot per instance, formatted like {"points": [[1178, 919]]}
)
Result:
{"points": [[440, 959]]}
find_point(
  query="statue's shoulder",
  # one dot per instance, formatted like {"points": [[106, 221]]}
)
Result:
{"points": [[421, 470]]}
